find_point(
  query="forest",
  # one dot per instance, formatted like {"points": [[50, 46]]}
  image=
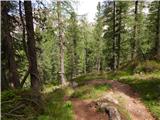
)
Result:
{"points": [[58, 65]]}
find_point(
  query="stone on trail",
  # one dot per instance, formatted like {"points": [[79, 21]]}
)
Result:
{"points": [[111, 111], [74, 84]]}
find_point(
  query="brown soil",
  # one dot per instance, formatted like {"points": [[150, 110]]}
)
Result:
{"points": [[84, 110], [123, 93]]}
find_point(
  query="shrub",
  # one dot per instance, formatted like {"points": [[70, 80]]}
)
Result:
{"points": [[148, 66]]}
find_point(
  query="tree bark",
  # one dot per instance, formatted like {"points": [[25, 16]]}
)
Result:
{"points": [[114, 36], [61, 40], [134, 43], [4, 80], [4, 64], [119, 37], [98, 63], [24, 43], [23, 29], [157, 41], [8, 44], [31, 43], [75, 57], [25, 78]]}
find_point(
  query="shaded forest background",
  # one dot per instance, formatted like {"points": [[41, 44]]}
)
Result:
{"points": [[122, 33], [51, 44]]}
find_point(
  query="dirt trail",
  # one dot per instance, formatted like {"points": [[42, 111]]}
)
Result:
{"points": [[125, 96], [84, 110]]}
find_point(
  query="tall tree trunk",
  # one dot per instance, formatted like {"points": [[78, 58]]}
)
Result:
{"points": [[24, 42], [35, 81], [4, 81], [75, 57], [157, 41], [119, 37], [4, 64], [61, 40], [86, 50], [23, 29], [134, 42], [8, 44], [114, 36]]}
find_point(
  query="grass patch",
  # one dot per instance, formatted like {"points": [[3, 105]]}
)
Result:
{"points": [[90, 91], [81, 80], [56, 108], [124, 113]]}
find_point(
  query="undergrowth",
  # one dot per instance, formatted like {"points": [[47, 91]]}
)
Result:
{"points": [[56, 108], [90, 91], [20, 105], [27, 105]]}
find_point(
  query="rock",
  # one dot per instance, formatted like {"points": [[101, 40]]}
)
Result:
{"points": [[111, 111], [74, 84]]}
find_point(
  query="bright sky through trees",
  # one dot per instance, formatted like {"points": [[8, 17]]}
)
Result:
{"points": [[88, 7], [85, 7]]}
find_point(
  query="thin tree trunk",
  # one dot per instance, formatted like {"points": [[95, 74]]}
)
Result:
{"points": [[13, 74], [24, 43], [24, 78], [75, 57], [87, 69], [61, 40], [23, 29], [35, 82], [4, 81], [8, 44], [119, 38], [158, 32], [98, 64], [114, 36], [4, 64], [134, 43]]}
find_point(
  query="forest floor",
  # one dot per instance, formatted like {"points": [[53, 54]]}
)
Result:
{"points": [[136, 95], [125, 96]]}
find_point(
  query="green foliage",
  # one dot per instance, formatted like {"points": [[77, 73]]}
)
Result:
{"points": [[73, 40], [123, 31], [152, 26], [7, 95]]}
